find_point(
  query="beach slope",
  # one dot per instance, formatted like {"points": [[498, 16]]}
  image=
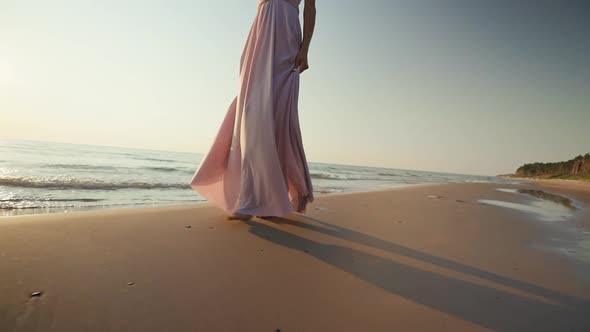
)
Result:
{"points": [[423, 258]]}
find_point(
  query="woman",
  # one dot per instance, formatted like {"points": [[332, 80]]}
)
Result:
{"points": [[256, 165]]}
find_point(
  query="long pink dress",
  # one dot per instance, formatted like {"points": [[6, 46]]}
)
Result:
{"points": [[256, 164]]}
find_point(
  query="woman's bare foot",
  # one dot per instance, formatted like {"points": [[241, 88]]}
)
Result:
{"points": [[239, 216]]}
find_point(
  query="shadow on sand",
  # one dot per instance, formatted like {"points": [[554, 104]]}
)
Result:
{"points": [[483, 305]]}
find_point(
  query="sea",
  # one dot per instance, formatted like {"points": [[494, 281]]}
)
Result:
{"points": [[39, 177]]}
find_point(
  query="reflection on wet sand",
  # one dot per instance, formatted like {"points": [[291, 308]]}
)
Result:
{"points": [[549, 196], [546, 207], [566, 238]]}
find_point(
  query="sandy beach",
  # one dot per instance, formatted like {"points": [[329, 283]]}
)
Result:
{"points": [[422, 258], [429, 162]]}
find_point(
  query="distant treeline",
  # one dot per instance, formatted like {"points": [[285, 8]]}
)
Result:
{"points": [[577, 168]]}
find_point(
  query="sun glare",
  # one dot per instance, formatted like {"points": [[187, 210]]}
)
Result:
{"points": [[7, 72]]}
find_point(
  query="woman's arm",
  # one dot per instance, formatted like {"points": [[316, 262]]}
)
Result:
{"points": [[308, 27]]}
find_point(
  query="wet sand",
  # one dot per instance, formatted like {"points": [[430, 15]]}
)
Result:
{"points": [[424, 258], [575, 189]]}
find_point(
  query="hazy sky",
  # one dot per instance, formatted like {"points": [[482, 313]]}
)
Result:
{"points": [[464, 86]]}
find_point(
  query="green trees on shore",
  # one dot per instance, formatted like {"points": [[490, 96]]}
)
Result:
{"points": [[578, 168]]}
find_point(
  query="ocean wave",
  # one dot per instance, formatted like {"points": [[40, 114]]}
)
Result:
{"points": [[52, 200], [153, 159], [79, 166], [385, 174], [346, 177], [34, 205], [327, 176], [85, 184], [117, 168], [327, 190], [2, 207], [169, 169]]}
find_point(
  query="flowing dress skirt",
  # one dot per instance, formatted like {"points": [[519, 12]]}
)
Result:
{"points": [[256, 164]]}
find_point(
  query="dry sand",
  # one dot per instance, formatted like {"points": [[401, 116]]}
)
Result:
{"points": [[425, 258]]}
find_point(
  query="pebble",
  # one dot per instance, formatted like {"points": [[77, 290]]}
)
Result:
{"points": [[36, 294], [131, 283], [188, 226]]}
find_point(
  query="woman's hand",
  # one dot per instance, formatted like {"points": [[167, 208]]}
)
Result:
{"points": [[301, 60]]}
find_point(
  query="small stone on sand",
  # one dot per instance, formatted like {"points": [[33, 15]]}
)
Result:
{"points": [[131, 283], [36, 294]]}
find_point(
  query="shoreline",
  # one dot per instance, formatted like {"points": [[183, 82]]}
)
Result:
{"points": [[507, 177], [407, 258], [134, 178], [122, 208], [206, 204]]}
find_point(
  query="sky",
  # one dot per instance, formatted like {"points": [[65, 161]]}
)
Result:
{"points": [[463, 86]]}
